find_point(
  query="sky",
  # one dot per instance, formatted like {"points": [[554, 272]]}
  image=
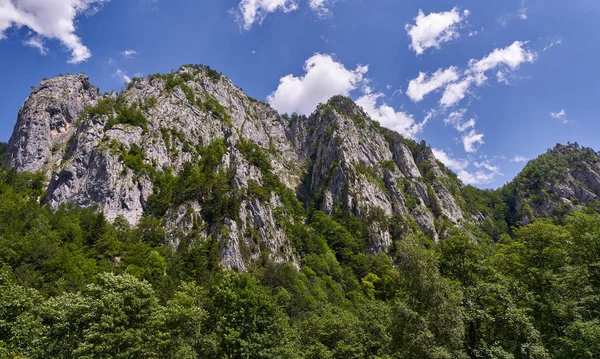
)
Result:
{"points": [[487, 84]]}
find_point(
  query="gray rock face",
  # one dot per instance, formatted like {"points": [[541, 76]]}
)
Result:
{"points": [[574, 178], [370, 172], [104, 159], [46, 121]]}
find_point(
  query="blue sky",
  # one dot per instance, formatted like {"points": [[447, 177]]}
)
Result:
{"points": [[487, 84]]}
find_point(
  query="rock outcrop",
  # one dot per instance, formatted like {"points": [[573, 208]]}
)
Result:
{"points": [[46, 122], [108, 152], [565, 176]]}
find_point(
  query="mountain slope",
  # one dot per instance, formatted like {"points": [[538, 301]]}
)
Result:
{"points": [[191, 149], [552, 184]]}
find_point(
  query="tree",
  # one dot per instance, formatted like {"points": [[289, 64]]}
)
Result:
{"points": [[119, 317]]}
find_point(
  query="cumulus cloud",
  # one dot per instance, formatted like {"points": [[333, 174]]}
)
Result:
{"points": [[49, 20], [519, 159], [455, 92], [129, 53], [512, 57], [401, 122], [503, 60], [250, 12], [421, 86], [122, 76], [470, 137], [323, 78], [472, 140], [434, 29], [560, 116]]}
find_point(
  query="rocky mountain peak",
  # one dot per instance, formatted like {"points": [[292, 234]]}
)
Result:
{"points": [[47, 120], [564, 177], [190, 149]]}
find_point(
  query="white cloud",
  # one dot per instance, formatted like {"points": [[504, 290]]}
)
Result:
{"points": [[452, 163], [434, 29], [323, 78], [321, 7], [519, 159], [505, 60], [455, 92], [512, 56], [472, 140], [456, 120], [255, 11], [462, 127], [421, 86], [49, 19], [129, 53], [485, 173], [401, 122], [122, 76], [38, 43], [561, 116]]}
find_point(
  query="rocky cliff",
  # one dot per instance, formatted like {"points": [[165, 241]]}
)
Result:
{"points": [[192, 150], [565, 177]]}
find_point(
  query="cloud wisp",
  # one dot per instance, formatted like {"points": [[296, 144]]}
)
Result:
{"points": [[560, 116], [481, 173], [251, 12]]}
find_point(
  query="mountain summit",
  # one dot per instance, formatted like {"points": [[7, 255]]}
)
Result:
{"points": [[192, 149], [121, 213]]}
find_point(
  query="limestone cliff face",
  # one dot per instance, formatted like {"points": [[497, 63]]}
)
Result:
{"points": [[109, 155], [359, 167], [46, 121]]}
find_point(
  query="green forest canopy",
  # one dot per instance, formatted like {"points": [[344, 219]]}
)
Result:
{"points": [[73, 285]]}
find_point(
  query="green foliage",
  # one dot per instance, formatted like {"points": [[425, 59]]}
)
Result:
{"points": [[134, 159], [212, 106], [370, 173], [201, 181], [213, 74], [346, 107], [259, 157], [533, 184], [3, 149], [118, 113], [74, 285]]}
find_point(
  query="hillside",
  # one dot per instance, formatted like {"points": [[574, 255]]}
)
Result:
{"points": [[183, 219], [192, 149]]}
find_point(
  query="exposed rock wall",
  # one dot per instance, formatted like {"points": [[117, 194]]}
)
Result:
{"points": [[352, 163]]}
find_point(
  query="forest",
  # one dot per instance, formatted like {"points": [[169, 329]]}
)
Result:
{"points": [[73, 285]]}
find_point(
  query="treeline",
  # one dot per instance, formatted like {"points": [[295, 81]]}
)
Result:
{"points": [[73, 285]]}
